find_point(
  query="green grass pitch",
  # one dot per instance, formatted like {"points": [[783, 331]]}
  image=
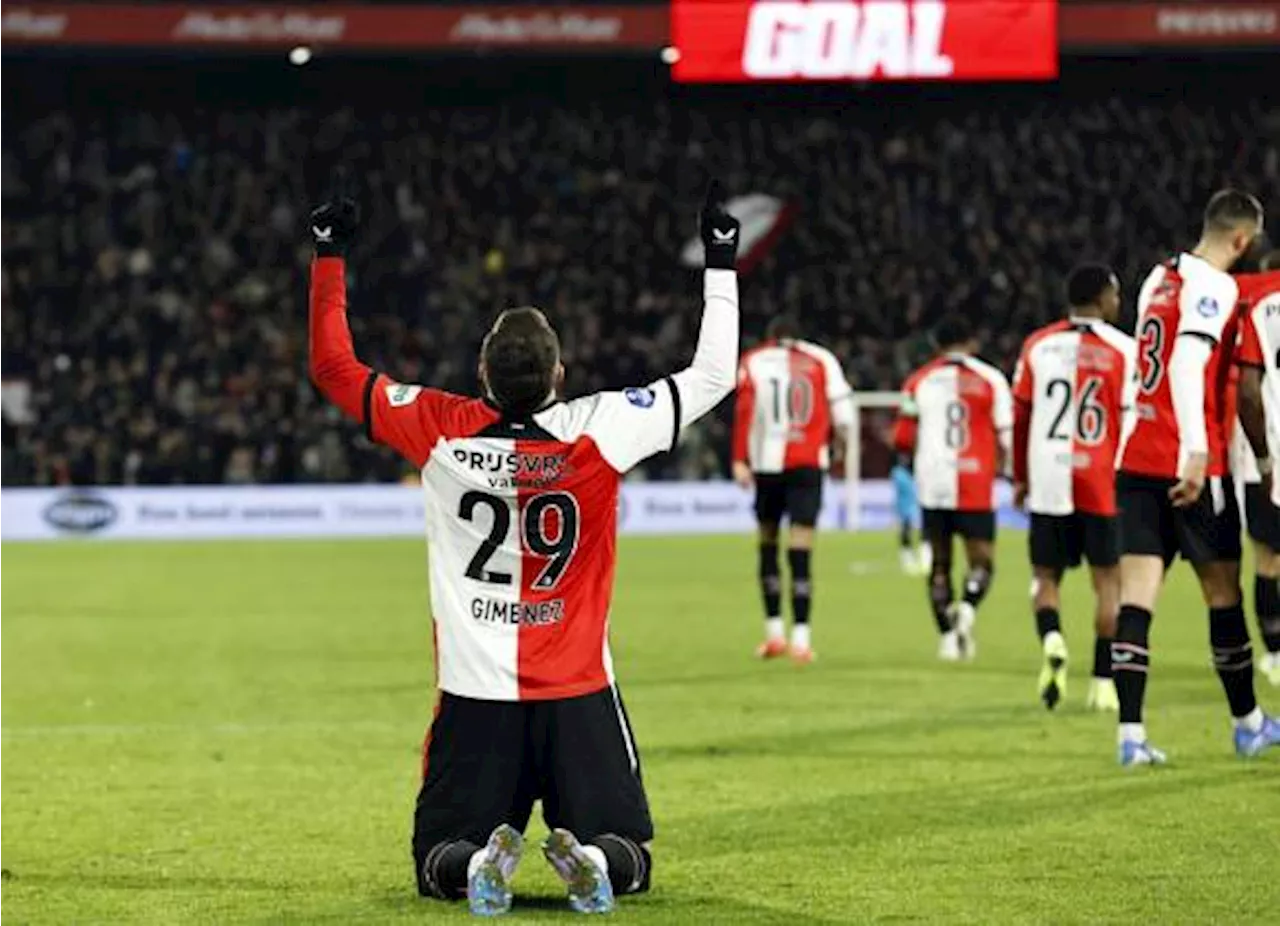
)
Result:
{"points": [[228, 733]]}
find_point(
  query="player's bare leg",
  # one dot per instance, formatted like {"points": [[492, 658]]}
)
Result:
{"points": [[1046, 598], [799, 558], [980, 556], [1140, 581], [1233, 656], [1106, 595], [775, 629], [940, 599], [1266, 605]]}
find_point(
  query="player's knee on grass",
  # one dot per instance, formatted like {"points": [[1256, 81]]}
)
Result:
{"points": [[800, 537], [630, 863], [442, 868], [1140, 581], [1106, 590], [768, 533], [1266, 561], [1046, 588]]}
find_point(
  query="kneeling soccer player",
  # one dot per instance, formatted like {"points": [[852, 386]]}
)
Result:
{"points": [[521, 492]]}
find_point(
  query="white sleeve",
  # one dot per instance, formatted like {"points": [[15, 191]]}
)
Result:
{"points": [[1186, 382], [631, 426], [839, 392], [1129, 389], [1206, 305], [1002, 409]]}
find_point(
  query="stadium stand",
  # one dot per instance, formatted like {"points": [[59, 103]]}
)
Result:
{"points": [[154, 269]]}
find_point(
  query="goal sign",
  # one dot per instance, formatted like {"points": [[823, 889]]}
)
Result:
{"points": [[799, 40]]}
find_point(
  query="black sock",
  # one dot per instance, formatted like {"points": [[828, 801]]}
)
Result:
{"points": [[444, 871], [1047, 621], [1266, 602], [940, 598], [977, 583], [904, 536], [1102, 657], [770, 580], [630, 863], [1233, 657], [801, 585], [1130, 660]]}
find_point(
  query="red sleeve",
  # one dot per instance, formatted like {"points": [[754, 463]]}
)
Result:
{"points": [[904, 434], [743, 413], [1249, 348], [1024, 386], [1021, 437], [409, 419]]}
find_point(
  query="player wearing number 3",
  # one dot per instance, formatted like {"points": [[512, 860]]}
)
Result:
{"points": [[956, 417], [521, 499], [1074, 381]]}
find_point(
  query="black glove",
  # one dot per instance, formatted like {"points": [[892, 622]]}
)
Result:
{"points": [[333, 226], [719, 231]]}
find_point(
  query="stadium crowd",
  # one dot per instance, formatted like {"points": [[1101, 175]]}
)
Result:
{"points": [[154, 264]]}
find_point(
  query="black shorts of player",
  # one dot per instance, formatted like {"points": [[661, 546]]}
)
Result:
{"points": [[1261, 515], [1206, 532], [941, 524], [795, 494], [1060, 542], [488, 761]]}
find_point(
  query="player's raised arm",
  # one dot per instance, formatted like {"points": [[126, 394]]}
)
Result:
{"points": [[407, 418], [634, 424]]}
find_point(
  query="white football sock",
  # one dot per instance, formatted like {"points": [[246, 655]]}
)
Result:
{"points": [[1251, 721], [800, 636], [775, 628], [1132, 733], [596, 854]]}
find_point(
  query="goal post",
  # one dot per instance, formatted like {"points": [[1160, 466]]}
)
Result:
{"points": [[865, 405]]}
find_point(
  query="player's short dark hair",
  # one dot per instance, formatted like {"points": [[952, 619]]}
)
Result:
{"points": [[1270, 262], [520, 357], [1231, 209], [954, 328], [1087, 283], [783, 327]]}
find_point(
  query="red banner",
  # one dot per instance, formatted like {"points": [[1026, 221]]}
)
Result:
{"points": [[565, 27], [750, 40], [1222, 25]]}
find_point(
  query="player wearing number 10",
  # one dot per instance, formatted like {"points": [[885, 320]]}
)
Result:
{"points": [[1074, 380], [521, 493]]}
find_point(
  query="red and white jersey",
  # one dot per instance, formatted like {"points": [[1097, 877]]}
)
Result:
{"points": [[790, 393], [1185, 296], [1074, 381], [1259, 346], [956, 415], [521, 516]]}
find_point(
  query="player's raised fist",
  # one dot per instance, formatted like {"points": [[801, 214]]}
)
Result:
{"points": [[333, 226], [720, 231]]}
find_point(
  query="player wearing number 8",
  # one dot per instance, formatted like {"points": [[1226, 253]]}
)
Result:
{"points": [[955, 420], [1073, 381], [521, 497]]}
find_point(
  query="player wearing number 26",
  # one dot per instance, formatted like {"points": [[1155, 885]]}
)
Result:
{"points": [[521, 497], [955, 419], [1074, 382]]}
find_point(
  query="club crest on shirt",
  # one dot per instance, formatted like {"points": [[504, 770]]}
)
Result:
{"points": [[640, 397], [399, 395], [1207, 306]]}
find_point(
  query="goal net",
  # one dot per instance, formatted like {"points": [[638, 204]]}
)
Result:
{"points": [[869, 454]]}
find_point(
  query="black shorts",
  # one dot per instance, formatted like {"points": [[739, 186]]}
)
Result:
{"points": [[1261, 515], [487, 762], [1206, 532], [1061, 541], [795, 494], [941, 524]]}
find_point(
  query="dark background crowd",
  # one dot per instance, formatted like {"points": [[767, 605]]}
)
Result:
{"points": [[155, 266]]}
